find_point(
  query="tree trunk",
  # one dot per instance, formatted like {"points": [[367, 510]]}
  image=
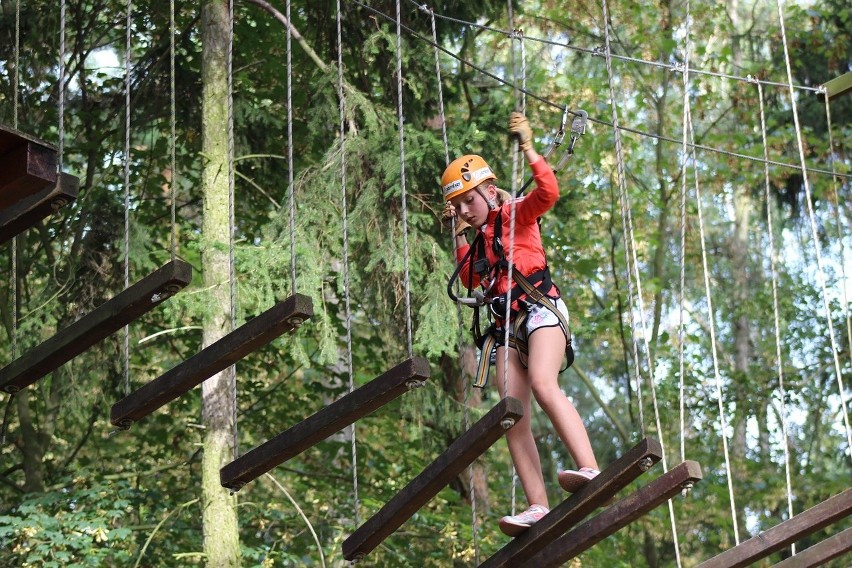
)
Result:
{"points": [[221, 531]]}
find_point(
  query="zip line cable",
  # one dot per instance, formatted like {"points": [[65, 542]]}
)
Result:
{"points": [[345, 230], [599, 51], [820, 273], [550, 103]]}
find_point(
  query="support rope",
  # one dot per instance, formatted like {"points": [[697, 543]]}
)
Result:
{"points": [[714, 347], [401, 121], [172, 132], [775, 312], [232, 218], [127, 47], [625, 216], [345, 228], [630, 252], [465, 385], [290, 187], [817, 248]]}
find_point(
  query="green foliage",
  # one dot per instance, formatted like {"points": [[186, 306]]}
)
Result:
{"points": [[74, 495]]}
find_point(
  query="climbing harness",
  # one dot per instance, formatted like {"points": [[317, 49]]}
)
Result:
{"points": [[527, 292]]}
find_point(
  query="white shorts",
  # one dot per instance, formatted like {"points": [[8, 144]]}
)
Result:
{"points": [[540, 316]]}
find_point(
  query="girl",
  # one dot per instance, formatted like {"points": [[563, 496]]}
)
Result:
{"points": [[539, 319]]}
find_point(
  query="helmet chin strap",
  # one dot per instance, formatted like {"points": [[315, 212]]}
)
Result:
{"points": [[492, 203]]}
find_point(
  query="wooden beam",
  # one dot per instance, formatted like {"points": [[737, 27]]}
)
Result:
{"points": [[838, 86], [27, 212], [784, 533], [820, 553], [331, 419], [574, 509], [101, 322], [27, 165], [618, 516], [459, 455], [284, 316]]}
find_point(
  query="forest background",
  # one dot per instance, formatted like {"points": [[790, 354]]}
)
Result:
{"points": [[75, 493]]}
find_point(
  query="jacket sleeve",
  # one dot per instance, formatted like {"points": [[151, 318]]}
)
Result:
{"points": [[542, 198], [467, 276]]}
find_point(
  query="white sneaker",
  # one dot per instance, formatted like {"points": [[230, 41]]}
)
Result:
{"points": [[513, 525], [573, 480]]}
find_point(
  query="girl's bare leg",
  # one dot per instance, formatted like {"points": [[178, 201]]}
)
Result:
{"points": [[546, 348], [520, 438]]}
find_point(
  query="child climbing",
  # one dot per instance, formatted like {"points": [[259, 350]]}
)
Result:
{"points": [[539, 334]]}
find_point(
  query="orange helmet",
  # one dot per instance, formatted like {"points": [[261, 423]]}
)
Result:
{"points": [[463, 174]]}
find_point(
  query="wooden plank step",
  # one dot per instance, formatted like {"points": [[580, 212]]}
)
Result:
{"points": [[27, 212], [27, 165], [575, 508], [618, 516], [286, 315], [820, 553], [331, 419], [785, 533], [437, 475], [101, 322]]}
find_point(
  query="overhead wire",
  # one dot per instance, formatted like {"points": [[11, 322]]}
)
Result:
{"points": [[543, 100], [598, 52]]}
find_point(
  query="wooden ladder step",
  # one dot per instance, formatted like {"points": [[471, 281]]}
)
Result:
{"points": [[24, 214], [287, 315], [331, 419], [575, 508], [27, 165], [98, 324], [785, 533], [820, 553], [617, 516], [437, 475]]}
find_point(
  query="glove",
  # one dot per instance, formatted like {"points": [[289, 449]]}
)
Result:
{"points": [[447, 216], [519, 128]]}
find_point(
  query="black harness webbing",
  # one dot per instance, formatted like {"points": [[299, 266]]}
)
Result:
{"points": [[525, 293]]}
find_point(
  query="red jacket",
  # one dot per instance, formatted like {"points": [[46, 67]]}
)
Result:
{"points": [[527, 252]]}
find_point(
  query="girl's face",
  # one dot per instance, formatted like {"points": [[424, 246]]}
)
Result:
{"points": [[472, 206]]}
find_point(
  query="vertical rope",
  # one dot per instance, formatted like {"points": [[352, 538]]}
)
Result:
{"points": [[173, 132], [127, 47], [61, 86], [290, 188], [817, 248], [516, 159], [838, 221], [401, 120], [460, 327], [625, 214], [714, 347], [16, 54], [231, 215], [776, 318], [345, 227]]}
